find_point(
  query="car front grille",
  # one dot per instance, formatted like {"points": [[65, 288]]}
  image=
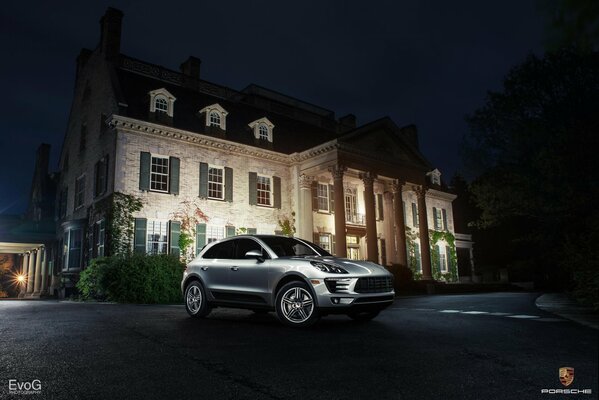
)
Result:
{"points": [[374, 285], [338, 285]]}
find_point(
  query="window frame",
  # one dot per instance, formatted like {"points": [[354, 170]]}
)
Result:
{"points": [[163, 101], [79, 200], [214, 233], [323, 198], [263, 132], [329, 242], [214, 118], [163, 223], [443, 264], [270, 191], [152, 173], [222, 183]]}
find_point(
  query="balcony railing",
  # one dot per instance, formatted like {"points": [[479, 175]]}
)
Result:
{"points": [[355, 219]]}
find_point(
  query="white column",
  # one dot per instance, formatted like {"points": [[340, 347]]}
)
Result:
{"points": [[305, 220], [44, 285], [30, 272], [24, 273], [391, 254], [38, 271]]}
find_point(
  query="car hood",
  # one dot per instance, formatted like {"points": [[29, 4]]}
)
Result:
{"points": [[353, 267]]}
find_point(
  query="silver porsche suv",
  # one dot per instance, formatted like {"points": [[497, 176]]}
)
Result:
{"points": [[295, 278]]}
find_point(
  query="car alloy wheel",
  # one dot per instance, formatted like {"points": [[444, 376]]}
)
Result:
{"points": [[296, 306], [195, 300]]}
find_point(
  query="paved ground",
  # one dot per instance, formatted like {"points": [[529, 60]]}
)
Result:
{"points": [[489, 346]]}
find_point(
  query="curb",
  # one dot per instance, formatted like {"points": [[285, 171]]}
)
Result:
{"points": [[561, 305]]}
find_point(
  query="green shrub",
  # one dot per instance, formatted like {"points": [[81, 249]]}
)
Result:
{"points": [[133, 279]]}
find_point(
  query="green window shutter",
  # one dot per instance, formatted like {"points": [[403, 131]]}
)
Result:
{"points": [[316, 237], [437, 255], [139, 240], [444, 218], [331, 199], [203, 180], [252, 231], [333, 248], [314, 196], [448, 256], [379, 204], [200, 237], [276, 185], [106, 167], [144, 170], [435, 224], [414, 214], [174, 164], [175, 228], [228, 184], [230, 231], [253, 190], [417, 256]]}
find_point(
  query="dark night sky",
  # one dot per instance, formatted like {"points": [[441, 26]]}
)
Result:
{"points": [[424, 62]]}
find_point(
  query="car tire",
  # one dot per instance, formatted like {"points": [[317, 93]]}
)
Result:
{"points": [[296, 306], [363, 316], [196, 302]]}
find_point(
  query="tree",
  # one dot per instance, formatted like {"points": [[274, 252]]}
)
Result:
{"points": [[534, 148]]}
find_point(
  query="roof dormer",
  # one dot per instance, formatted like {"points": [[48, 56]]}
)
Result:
{"points": [[263, 129], [215, 116], [434, 176], [162, 101]]}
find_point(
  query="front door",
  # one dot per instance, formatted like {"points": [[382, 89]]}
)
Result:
{"points": [[353, 253]]}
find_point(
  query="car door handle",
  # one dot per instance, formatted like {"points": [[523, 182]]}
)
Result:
{"points": [[234, 268], [204, 268]]}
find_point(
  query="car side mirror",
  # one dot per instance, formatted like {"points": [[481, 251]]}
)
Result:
{"points": [[257, 254]]}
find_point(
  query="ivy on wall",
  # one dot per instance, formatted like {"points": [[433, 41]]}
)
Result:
{"points": [[435, 237], [120, 222], [287, 225], [189, 214]]}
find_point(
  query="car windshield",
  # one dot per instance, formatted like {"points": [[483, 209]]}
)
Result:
{"points": [[290, 247]]}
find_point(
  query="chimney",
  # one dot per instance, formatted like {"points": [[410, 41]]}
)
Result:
{"points": [[347, 122], [191, 67], [110, 40]]}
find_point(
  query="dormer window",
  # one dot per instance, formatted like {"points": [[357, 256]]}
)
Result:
{"points": [[161, 101], [215, 115], [161, 104], [263, 132], [263, 129], [435, 176]]}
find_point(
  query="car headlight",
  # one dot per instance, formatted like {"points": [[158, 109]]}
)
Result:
{"points": [[330, 268]]}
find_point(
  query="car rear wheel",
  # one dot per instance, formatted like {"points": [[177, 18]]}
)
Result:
{"points": [[195, 300], [364, 315], [295, 305]]}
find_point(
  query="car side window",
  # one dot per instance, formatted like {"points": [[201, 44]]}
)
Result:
{"points": [[245, 245], [224, 250]]}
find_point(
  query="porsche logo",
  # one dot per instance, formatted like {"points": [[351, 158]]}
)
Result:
{"points": [[566, 375]]}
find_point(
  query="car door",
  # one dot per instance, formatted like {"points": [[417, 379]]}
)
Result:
{"points": [[216, 265], [249, 276]]}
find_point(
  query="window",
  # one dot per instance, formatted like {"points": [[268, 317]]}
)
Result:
{"points": [[159, 174], [245, 245], [324, 241], [264, 191], [214, 233], [442, 259], [157, 237], [101, 172], [225, 250], [99, 230], [214, 119], [72, 245], [216, 183], [435, 176], [350, 205], [323, 197], [161, 105], [438, 218], [263, 129], [79, 192], [415, 220], [62, 204], [263, 132]]}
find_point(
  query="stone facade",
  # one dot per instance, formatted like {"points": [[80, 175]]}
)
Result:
{"points": [[347, 187]]}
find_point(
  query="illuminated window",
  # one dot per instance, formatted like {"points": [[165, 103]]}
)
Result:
{"points": [[157, 232], [215, 183], [215, 119], [324, 241], [159, 174], [264, 188]]}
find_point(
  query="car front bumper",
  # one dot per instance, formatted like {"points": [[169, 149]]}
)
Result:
{"points": [[343, 298]]}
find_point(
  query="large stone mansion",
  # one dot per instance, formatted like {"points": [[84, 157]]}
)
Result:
{"points": [[251, 160]]}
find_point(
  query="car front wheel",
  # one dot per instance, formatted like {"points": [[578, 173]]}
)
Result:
{"points": [[195, 300], [295, 305]]}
